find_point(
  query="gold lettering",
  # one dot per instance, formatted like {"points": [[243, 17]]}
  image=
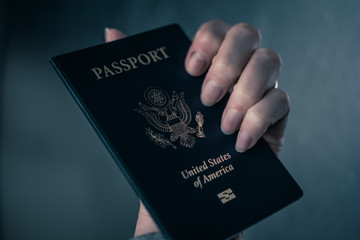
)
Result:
{"points": [[218, 173], [146, 57], [186, 176], [211, 162], [162, 50], [211, 176], [97, 72], [219, 160], [191, 172], [116, 67], [132, 61], [125, 65], [206, 179], [194, 170], [154, 56], [205, 165], [107, 70]]}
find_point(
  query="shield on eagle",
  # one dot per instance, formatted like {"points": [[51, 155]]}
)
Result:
{"points": [[170, 115]]}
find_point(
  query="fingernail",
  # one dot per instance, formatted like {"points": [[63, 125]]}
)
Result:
{"points": [[197, 63], [243, 142], [231, 121], [107, 34], [211, 93], [107, 30]]}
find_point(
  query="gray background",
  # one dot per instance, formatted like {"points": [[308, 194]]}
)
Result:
{"points": [[59, 182]]}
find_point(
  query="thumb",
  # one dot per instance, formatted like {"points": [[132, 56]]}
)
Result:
{"points": [[112, 34], [145, 224]]}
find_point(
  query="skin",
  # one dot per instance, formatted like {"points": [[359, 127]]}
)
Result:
{"points": [[235, 63]]}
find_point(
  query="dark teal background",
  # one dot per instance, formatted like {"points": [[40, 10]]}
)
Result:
{"points": [[59, 182]]}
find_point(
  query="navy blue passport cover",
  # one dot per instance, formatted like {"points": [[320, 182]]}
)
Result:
{"points": [[147, 111]]}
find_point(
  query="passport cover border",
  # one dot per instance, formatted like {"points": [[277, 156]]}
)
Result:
{"points": [[119, 161]]}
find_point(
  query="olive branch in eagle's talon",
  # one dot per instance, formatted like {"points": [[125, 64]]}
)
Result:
{"points": [[159, 139]]}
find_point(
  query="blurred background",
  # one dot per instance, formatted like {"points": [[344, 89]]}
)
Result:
{"points": [[59, 182]]}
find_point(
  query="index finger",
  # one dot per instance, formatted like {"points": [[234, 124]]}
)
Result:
{"points": [[204, 47]]}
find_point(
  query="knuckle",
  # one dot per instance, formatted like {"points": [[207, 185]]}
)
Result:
{"points": [[212, 23], [224, 68], [241, 108], [257, 117], [283, 101], [215, 23], [203, 37], [241, 99], [245, 93], [244, 29], [258, 120], [211, 27], [284, 97], [211, 33], [269, 55]]}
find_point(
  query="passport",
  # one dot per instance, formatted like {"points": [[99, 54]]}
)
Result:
{"points": [[146, 109]]}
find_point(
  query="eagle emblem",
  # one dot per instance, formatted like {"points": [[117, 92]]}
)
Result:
{"points": [[171, 116]]}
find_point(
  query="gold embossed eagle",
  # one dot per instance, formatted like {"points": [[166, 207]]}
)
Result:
{"points": [[169, 115]]}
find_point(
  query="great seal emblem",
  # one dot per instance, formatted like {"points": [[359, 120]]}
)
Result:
{"points": [[170, 115]]}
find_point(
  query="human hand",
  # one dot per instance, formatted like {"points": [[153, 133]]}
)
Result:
{"points": [[235, 64], [145, 224]]}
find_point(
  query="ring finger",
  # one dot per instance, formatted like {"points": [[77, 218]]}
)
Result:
{"points": [[274, 106], [239, 43], [258, 76]]}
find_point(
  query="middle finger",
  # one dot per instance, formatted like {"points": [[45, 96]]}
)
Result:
{"points": [[258, 76], [236, 49]]}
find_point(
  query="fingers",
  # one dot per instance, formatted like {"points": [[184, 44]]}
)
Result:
{"points": [[112, 34], [258, 76], [274, 136], [206, 43], [145, 224], [236, 63], [273, 106], [228, 64]]}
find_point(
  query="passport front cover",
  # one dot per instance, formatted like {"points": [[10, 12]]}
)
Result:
{"points": [[147, 110]]}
